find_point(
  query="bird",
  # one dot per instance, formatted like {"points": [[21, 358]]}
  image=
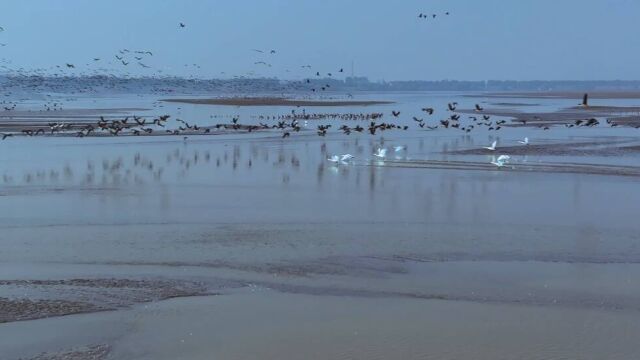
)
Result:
{"points": [[334, 159], [428, 110], [452, 106], [478, 107], [71, 66], [492, 147], [525, 141], [399, 148], [182, 25], [585, 100], [4, 136], [346, 157], [501, 160], [395, 113], [380, 153]]}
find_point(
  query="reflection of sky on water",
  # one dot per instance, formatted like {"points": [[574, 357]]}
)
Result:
{"points": [[261, 177]]}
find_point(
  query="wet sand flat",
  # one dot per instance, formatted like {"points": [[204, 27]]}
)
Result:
{"points": [[598, 94], [276, 326], [623, 115]]}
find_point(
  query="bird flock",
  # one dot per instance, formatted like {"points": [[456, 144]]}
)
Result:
{"points": [[289, 123]]}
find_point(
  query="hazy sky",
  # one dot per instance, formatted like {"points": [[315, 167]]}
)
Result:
{"points": [[481, 39]]}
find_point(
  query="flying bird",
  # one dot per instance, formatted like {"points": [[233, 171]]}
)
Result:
{"points": [[380, 153], [492, 147], [525, 141], [346, 157], [501, 160]]}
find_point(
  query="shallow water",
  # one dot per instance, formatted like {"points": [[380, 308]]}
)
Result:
{"points": [[384, 240]]}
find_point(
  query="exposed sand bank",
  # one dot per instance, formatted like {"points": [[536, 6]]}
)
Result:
{"points": [[563, 95], [273, 101]]}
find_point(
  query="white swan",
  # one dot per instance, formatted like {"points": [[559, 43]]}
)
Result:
{"points": [[501, 161], [492, 147], [381, 153], [346, 157]]}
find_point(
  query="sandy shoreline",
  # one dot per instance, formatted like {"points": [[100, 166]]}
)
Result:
{"points": [[622, 115], [561, 94], [273, 101]]}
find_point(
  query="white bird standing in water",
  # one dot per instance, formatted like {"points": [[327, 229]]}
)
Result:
{"points": [[381, 153], [501, 161], [525, 141], [492, 147]]}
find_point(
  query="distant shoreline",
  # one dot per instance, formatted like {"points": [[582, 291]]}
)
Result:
{"points": [[273, 101]]}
